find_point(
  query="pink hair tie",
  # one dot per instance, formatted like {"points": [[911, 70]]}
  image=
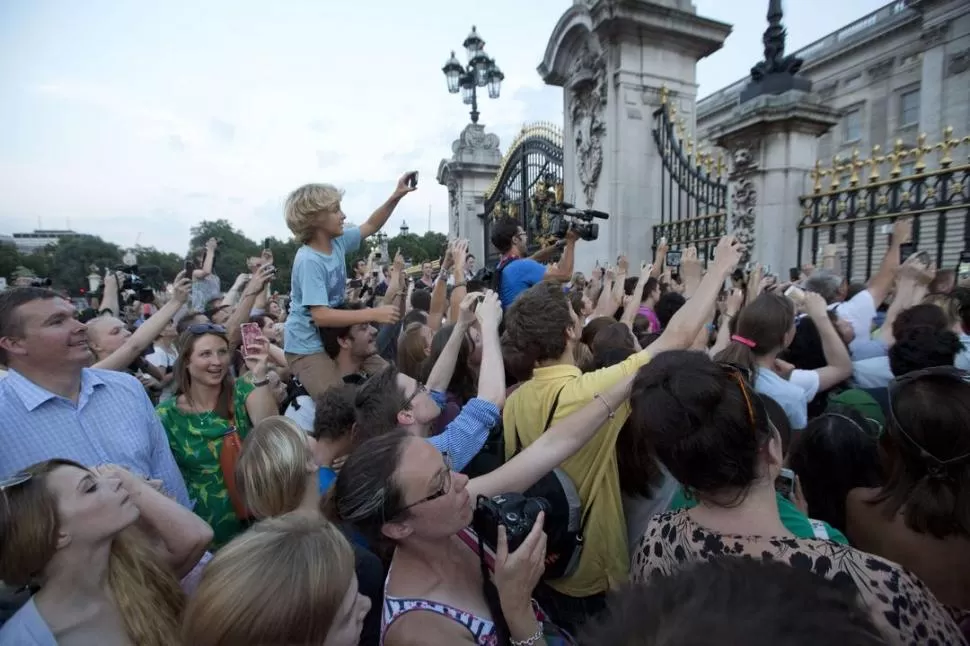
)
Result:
{"points": [[744, 341]]}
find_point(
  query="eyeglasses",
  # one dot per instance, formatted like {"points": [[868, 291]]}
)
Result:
{"points": [[935, 466], [443, 489], [205, 328], [420, 388]]}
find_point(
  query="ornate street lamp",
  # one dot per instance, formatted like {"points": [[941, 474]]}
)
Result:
{"points": [[481, 71], [404, 227]]}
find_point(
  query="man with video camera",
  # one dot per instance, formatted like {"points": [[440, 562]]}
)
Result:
{"points": [[516, 273]]}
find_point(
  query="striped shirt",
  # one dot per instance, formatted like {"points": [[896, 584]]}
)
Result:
{"points": [[113, 422]]}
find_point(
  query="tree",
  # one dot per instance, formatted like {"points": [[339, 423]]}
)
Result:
{"points": [[158, 267], [72, 258], [233, 252]]}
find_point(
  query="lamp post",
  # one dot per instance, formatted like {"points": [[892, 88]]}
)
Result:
{"points": [[481, 71], [381, 238], [404, 228]]}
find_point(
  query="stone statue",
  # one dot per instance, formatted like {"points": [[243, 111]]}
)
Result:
{"points": [[586, 112], [777, 73]]}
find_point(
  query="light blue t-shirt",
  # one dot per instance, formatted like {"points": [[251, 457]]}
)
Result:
{"points": [[518, 276], [316, 279], [27, 628], [792, 394], [962, 360]]}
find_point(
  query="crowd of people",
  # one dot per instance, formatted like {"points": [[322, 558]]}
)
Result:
{"points": [[517, 455]]}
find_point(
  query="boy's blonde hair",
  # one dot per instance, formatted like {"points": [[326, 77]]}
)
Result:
{"points": [[306, 203]]}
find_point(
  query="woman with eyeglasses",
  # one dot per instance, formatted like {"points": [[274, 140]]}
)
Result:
{"points": [[106, 551], [763, 329], [404, 497], [209, 405], [920, 516], [711, 431]]}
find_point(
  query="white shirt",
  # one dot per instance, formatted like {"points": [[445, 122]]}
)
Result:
{"points": [[164, 359], [859, 311], [792, 394]]}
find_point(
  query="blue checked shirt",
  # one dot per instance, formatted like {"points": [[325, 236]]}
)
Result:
{"points": [[113, 422], [465, 436]]}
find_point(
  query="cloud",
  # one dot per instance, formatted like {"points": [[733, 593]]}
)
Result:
{"points": [[329, 158], [176, 143], [222, 131]]}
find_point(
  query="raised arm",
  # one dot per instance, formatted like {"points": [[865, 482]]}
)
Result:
{"points": [[563, 440], [178, 535], [838, 366], [207, 262], [379, 217], [491, 374], [882, 283], [444, 367]]}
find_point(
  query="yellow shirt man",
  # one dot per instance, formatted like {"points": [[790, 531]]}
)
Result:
{"points": [[604, 562]]}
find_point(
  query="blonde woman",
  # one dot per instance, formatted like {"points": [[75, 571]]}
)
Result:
{"points": [[288, 580], [319, 276], [71, 531], [276, 474]]}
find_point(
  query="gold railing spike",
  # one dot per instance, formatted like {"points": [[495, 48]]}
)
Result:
{"points": [[663, 95], [896, 157], [817, 176], [948, 144], [919, 153], [836, 172], [690, 146], [709, 163], [855, 165], [721, 166], [875, 163]]}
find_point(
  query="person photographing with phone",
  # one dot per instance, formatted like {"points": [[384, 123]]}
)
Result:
{"points": [[319, 276]]}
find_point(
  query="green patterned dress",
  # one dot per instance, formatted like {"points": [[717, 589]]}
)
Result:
{"points": [[196, 441]]}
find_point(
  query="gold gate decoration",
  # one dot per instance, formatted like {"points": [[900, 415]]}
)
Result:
{"points": [[854, 197]]}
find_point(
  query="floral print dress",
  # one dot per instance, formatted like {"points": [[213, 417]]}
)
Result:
{"points": [[910, 613], [196, 442]]}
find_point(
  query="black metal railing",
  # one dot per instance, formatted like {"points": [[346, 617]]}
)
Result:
{"points": [[854, 199], [693, 187], [532, 166]]}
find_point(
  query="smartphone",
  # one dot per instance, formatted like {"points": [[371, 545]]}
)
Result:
{"points": [[266, 243], [189, 268], [413, 179], [794, 273], [673, 258], [886, 229], [663, 241], [251, 334], [906, 250], [796, 294], [963, 269], [785, 483], [355, 283]]}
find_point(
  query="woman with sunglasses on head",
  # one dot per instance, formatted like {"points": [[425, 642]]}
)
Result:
{"points": [[920, 517], [763, 329], [208, 405], [106, 551], [711, 431]]}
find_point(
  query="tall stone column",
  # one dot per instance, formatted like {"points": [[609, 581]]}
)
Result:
{"points": [[612, 58], [467, 174]]}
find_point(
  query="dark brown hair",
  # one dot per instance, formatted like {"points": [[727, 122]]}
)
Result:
{"points": [[378, 402], [934, 499], [537, 323], [704, 421], [464, 380]]}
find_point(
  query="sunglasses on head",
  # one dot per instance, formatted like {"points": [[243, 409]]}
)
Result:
{"points": [[205, 328]]}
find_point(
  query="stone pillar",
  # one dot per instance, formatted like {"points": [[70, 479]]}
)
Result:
{"points": [[612, 57], [467, 174], [773, 142]]}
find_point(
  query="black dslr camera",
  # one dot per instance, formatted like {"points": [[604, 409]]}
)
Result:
{"points": [[513, 510], [134, 282], [565, 217]]}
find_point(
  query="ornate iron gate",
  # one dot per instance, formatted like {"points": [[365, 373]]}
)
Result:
{"points": [[693, 188], [854, 197], [530, 171]]}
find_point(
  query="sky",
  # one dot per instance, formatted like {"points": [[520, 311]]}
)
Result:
{"points": [[136, 120]]}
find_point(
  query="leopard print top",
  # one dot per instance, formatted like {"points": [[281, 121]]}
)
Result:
{"points": [[911, 612]]}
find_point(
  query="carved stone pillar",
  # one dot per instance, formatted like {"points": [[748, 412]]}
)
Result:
{"points": [[611, 58], [467, 174]]}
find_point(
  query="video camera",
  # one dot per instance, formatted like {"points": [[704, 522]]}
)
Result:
{"points": [[38, 282], [565, 217], [132, 281]]}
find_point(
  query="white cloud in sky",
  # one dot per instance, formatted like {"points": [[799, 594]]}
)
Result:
{"points": [[134, 121]]}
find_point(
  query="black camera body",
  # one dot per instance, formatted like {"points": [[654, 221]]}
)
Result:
{"points": [[565, 217], [517, 512], [136, 283], [40, 282]]}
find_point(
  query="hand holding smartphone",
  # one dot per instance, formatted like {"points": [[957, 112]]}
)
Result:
{"points": [[785, 483], [251, 338], [413, 179]]}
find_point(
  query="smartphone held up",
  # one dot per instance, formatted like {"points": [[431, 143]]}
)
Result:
{"points": [[252, 338]]}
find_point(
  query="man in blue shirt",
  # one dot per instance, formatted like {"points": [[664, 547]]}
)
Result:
{"points": [[54, 407], [518, 273], [319, 276]]}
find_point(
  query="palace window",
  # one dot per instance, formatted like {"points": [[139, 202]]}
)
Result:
{"points": [[909, 108], [852, 125]]}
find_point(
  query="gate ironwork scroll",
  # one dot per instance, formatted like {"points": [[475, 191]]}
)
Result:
{"points": [[854, 198], [528, 180], [693, 187]]}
